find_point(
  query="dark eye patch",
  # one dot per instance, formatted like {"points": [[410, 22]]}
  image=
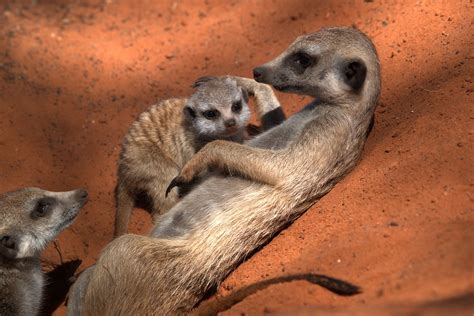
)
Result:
{"points": [[43, 207], [298, 62], [210, 114], [237, 106], [301, 61]]}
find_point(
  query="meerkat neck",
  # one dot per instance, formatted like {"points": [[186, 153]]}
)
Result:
{"points": [[22, 263]]}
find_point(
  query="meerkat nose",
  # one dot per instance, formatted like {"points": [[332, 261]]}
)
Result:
{"points": [[82, 194], [257, 72], [230, 123]]}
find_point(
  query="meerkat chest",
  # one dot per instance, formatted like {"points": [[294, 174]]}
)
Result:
{"points": [[29, 290], [21, 290], [183, 147]]}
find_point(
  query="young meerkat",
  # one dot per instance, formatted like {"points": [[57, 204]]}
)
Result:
{"points": [[168, 134], [198, 242], [29, 219]]}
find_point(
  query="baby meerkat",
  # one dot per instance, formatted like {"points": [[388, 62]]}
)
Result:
{"points": [[168, 134], [29, 219]]}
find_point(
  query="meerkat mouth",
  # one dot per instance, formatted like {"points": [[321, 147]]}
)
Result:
{"points": [[69, 217], [231, 131]]}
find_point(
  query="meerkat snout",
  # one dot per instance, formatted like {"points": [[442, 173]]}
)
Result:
{"points": [[8, 246], [230, 123], [82, 194], [257, 73]]}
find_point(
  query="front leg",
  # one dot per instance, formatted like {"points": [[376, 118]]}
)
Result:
{"points": [[260, 165]]}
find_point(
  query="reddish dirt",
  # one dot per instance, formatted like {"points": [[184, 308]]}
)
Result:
{"points": [[74, 76]]}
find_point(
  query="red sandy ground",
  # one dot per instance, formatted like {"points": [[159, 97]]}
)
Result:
{"points": [[74, 76]]}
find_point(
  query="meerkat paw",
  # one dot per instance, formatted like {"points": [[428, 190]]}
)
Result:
{"points": [[178, 182], [247, 84]]}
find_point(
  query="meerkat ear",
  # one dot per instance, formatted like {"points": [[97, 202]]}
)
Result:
{"points": [[354, 73], [245, 95], [189, 113], [9, 246], [202, 80]]}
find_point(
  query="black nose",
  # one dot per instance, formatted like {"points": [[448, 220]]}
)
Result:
{"points": [[230, 123], [8, 242], [257, 72], [82, 195]]}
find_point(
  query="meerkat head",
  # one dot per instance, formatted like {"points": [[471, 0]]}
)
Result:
{"points": [[30, 218], [335, 65], [218, 108]]}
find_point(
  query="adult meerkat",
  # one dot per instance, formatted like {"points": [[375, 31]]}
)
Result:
{"points": [[268, 110], [29, 219], [224, 219], [168, 134]]}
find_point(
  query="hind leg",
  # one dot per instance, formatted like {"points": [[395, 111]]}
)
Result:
{"points": [[125, 204], [77, 293]]}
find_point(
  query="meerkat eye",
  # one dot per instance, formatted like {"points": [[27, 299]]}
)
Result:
{"points": [[210, 114], [237, 106], [42, 207], [303, 60]]}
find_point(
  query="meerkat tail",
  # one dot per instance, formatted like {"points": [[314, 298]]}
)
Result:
{"points": [[334, 285]]}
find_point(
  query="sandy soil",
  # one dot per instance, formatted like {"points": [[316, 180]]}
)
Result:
{"points": [[74, 76]]}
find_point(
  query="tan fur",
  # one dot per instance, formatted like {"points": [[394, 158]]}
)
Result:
{"points": [[156, 147], [224, 219]]}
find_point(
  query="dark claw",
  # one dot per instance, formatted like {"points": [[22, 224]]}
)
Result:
{"points": [[174, 183]]}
